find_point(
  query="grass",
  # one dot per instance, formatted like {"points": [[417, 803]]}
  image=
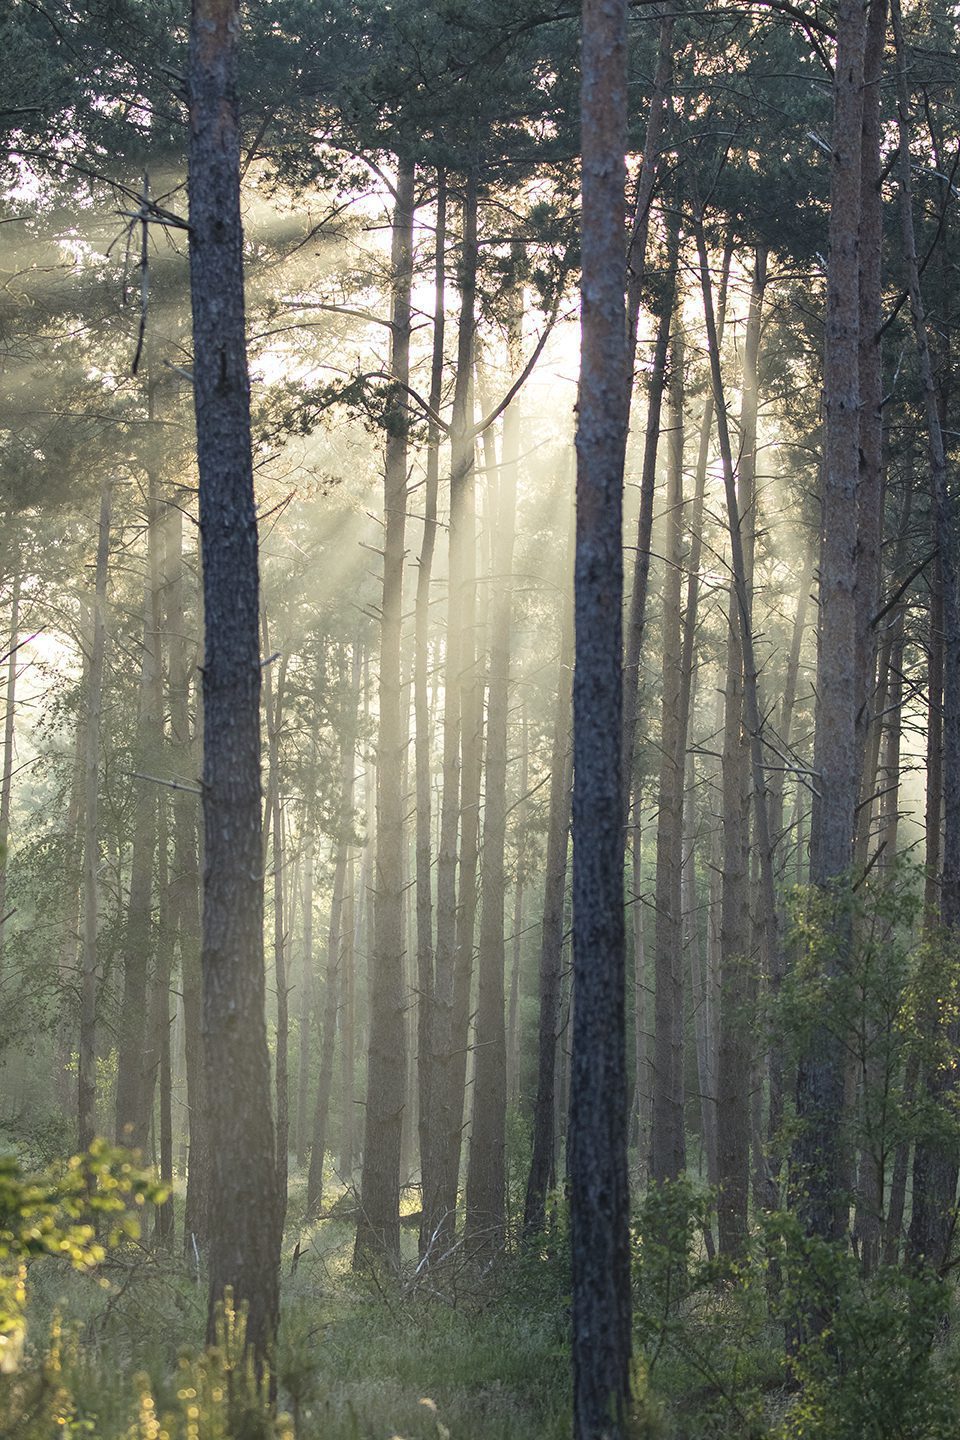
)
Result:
{"points": [[485, 1359]]}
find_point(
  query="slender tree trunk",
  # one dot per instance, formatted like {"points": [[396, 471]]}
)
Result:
{"points": [[648, 475], [185, 899], [306, 967], [158, 1061], [336, 947], [378, 1229], [668, 1148], [486, 1174], [513, 1012], [133, 1111], [551, 942], [87, 1062], [422, 754], [9, 715], [273, 711], [597, 1150], [441, 1162], [245, 1240]]}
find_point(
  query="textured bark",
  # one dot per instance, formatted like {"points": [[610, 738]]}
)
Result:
{"points": [[551, 941], [378, 1228], [486, 1173], [87, 1060], [668, 1146], [936, 1162], [245, 1238], [422, 751], [818, 1151], [134, 1081], [597, 1149]]}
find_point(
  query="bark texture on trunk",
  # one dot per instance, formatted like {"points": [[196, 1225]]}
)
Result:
{"points": [[597, 1150], [818, 1152], [245, 1238]]}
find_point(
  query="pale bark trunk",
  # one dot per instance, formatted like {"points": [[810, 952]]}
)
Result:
{"points": [[551, 941], [668, 1146], [87, 1061], [486, 1173], [9, 715]]}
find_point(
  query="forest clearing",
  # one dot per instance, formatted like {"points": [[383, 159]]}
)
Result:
{"points": [[480, 740]]}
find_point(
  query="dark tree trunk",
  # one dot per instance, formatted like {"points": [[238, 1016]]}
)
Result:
{"points": [[597, 1152], [245, 1238], [648, 475], [819, 1149], [378, 1229], [936, 1161], [157, 1066]]}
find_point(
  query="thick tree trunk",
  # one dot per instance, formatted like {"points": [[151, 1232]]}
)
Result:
{"points": [[87, 1061], [597, 1151], [245, 1239], [819, 1149], [378, 1228]]}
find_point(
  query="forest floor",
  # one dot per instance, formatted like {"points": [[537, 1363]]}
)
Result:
{"points": [[485, 1356]]}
